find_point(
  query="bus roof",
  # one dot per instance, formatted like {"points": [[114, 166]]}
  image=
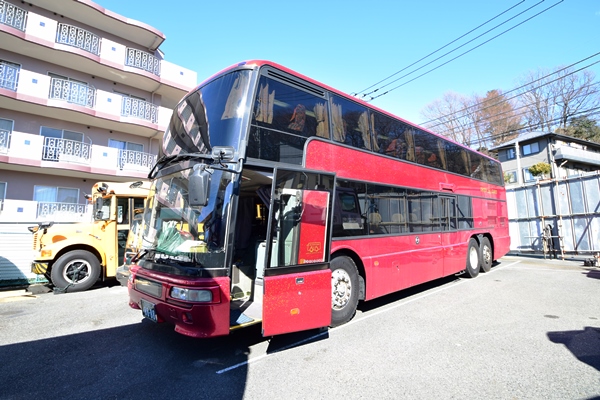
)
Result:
{"points": [[261, 63]]}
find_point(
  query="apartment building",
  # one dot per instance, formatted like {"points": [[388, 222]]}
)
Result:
{"points": [[85, 96]]}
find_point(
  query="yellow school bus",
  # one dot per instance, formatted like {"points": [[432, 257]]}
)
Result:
{"points": [[74, 256]]}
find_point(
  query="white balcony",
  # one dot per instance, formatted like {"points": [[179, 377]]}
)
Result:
{"points": [[39, 151], [92, 53], [33, 92], [18, 211]]}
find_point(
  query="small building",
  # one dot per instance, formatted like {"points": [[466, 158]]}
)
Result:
{"points": [[556, 215], [567, 156]]}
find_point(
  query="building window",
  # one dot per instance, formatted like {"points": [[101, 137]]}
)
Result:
{"points": [[2, 191], [71, 90], [531, 148], [6, 127], [510, 177], [527, 177], [52, 194], [9, 75], [511, 154], [59, 142], [129, 153]]}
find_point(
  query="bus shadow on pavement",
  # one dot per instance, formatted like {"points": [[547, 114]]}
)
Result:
{"points": [[367, 306], [583, 344], [141, 360]]}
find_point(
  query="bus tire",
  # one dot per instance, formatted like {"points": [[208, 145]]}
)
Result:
{"points": [[485, 255], [75, 271], [344, 290], [473, 261]]}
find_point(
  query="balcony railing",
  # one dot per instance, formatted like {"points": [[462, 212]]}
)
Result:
{"points": [[56, 149], [12, 15], [129, 159], [4, 141], [72, 92], [9, 75], [46, 209], [78, 37], [142, 60], [132, 107]]}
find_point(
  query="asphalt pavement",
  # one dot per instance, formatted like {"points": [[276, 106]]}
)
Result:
{"points": [[528, 329]]}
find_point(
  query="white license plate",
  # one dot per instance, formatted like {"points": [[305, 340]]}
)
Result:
{"points": [[148, 310]]}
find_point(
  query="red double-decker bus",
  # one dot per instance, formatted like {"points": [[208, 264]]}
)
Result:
{"points": [[282, 201]]}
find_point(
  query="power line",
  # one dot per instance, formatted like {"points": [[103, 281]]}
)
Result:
{"points": [[433, 52], [463, 110], [451, 51], [466, 52]]}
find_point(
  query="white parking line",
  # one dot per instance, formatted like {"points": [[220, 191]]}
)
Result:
{"points": [[355, 321]]}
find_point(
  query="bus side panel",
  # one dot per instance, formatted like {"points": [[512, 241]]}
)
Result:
{"points": [[396, 263], [296, 302], [455, 251]]}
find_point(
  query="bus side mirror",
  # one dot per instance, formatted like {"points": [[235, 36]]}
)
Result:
{"points": [[198, 190]]}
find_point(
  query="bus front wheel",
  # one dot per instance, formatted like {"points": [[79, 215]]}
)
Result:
{"points": [[473, 263], [75, 271], [486, 255], [344, 287]]}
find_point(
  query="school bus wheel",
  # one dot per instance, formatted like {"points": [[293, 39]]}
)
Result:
{"points": [[75, 271]]}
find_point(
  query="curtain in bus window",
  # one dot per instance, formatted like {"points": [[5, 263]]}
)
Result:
{"points": [[363, 127], [236, 96], [320, 111], [442, 151], [338, 125], [374, 138], [264, 106], [467, 160], [410, 145]]}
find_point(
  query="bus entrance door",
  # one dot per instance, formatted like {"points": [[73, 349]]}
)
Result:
{"points": [[297, 278]]}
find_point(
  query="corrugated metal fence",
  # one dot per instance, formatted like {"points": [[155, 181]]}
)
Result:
{"points": [[556, 217], [16, 254]]}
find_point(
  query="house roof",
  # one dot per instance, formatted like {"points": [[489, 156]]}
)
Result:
{"points": [[527, 136]]}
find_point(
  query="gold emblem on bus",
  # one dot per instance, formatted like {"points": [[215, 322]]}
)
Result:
{"points": [[313, 247]]}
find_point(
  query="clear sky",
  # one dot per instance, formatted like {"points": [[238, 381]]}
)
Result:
{"points": [[351, 45]]}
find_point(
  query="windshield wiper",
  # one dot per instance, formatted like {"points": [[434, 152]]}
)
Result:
{"points": [[167, 160]]}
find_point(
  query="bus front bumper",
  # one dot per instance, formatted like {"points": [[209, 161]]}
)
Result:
{"points": [[199, 320], [39, 267]]}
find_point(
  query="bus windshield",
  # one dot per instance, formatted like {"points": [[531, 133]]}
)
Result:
{"points": [[183, 236], [212, 115]]}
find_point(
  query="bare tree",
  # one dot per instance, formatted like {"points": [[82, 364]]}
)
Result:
{"points": [[447, 117], [550, 99]]}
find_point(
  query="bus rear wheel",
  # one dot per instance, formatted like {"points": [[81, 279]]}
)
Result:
{"points": [[75, 271], [344, 290], [486, 255], [473, 262]]}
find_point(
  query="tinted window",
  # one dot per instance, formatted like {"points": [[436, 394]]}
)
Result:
{"points": [[350, 123], [465, 212], [283, 117], [391, 137]]}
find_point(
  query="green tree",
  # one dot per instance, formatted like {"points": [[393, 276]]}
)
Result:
{"points": [[582, 128]]}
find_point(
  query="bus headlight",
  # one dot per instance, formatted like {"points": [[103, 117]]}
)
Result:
{"points": [[198, 296]]}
